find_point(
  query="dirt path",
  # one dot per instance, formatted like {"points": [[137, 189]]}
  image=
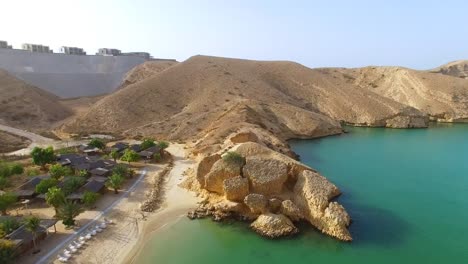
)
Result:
{"points": [[38, 141]]}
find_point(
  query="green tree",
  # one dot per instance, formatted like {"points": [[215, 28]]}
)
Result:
{"points": [[68, 211], [121, 170], [6, 201], [163, 144], [8, 225], [90, 198], [115, 155], [147, 143], [55, 197], [130, 156], [32, 224], [97, 143], [72, 183], [58, 171], [115, 181], [234, 158], [42, 156], [7, 251], [45, 184]]}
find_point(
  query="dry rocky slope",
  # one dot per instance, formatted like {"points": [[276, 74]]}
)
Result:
{"points": [[456, 69], [28, 107], [145, 70], [253, 107]]}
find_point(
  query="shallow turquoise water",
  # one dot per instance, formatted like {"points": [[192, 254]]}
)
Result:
{"points": [[406, 191]]}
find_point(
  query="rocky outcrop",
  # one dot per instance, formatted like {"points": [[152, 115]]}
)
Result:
{"points": [[243, 137], [220, 171], [236, 188], [275, 190], [257, 203], [289, 209], [273, 225], [312, 194], [204, 167], [266, 176]]}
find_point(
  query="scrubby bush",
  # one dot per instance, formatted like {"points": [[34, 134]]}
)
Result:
{"points": [[234, 158], [130, 156], [6, 201], [72, 183], [45, 184], [157, 157], [32, 172], [58, 171], [147, 143], [97, 143], [163, 144], [121, 170], [3, 182], [90, 198], [8, 169]]}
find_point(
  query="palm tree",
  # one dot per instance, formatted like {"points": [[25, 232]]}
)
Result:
{"points": [[55, 197], [68, 211], [32, 224], [115, 182]]}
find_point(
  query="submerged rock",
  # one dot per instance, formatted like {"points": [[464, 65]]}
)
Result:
{"points": [[274, 225]]}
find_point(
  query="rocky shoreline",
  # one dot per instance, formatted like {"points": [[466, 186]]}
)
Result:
{"points": [[268, 189]]}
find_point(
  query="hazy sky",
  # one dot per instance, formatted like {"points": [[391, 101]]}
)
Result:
{"points": [[419, 34]]}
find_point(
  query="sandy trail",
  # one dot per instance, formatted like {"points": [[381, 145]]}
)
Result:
{"points": [[120, 243], [38, 141]]}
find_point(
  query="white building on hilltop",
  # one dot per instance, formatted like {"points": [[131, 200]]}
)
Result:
{"points": [[72, 50], [36, 48]]}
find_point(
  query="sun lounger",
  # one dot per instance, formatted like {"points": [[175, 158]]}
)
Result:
{"points": [[103, 225], [75, 245], [99, 230], [63, 258], [72, 248], [88, 236], [67, 253]]}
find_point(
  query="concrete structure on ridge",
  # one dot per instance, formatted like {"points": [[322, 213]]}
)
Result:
{"points": [[36, 48], [4, 45], [145, 55], [72, 50], [109, 52]]}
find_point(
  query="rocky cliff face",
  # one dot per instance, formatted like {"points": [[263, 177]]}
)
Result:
{"points": [[272, 190]]}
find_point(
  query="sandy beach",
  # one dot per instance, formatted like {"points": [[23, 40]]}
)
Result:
{"points": [[121, 242]]}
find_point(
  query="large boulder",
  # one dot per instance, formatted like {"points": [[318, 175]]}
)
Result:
{"points": [[236, 188], [219, 172], [312, 194], [242, 137], [257, 203], [266, 176], [273, 225], [204, 167], [289, 209]]}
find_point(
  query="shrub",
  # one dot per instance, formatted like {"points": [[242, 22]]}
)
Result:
{"points": [[90, 198], [147, 143], [130, 156], [234, 158], [121, 170], [7, 251], [97, 143], [45, 184], [3, 182], [9, 169], [7, 226], [42, 156], [72, 183], [6, 201], [58, 171], [163, 144], [32, 172], [157, 157]]}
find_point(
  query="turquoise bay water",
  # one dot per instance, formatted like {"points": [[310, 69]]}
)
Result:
{"points": [[406, 191]]}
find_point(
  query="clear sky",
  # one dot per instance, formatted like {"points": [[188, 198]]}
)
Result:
{"points": [[420, 34]]}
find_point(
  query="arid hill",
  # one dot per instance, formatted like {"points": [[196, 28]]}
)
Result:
{"points": [[205, 99], [145, 70], [456, 69], [28, 107]]}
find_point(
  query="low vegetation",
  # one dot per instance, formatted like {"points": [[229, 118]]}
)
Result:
{"points": [[43, 156], [6, 201], [130, 156], [147, 143], [8, 225], [97, 143], [232, 157], [90, 198], [7, 250]]}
